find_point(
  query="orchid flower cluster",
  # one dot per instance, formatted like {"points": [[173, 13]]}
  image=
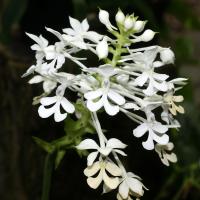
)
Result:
{"points": [[127, 81]]}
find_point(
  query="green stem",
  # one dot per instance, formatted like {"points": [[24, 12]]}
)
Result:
{"points": [[48, 168]]}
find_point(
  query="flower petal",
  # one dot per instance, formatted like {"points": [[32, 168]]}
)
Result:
{"points": [[142, 79], [112, 183], [46, 101], [136, 186], [110, 109], [92, 170], [68, 106], [85, 25], [114, 143], [95, 182], [75, 24], [117, 98], [124, 190], [140, 130], [113, 169], [87, 144], [158, 127], [36, 79], [94, 106], [148, 144], [93, 94], [91, 158], [44, 112]]}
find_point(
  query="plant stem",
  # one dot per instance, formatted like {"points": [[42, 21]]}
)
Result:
{"points": [[47, 174]]}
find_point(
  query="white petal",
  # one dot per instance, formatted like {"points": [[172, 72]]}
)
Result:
{"points": [[163, 140], [94, 106], [136, 186], [93, 36], [95, 182], [130, 105], [160, 86], [114, 143], [140, 130], [110, 182], [68, 106], [113, 169], [148, 144], [161, 77], [87, 144], [142, 79], [44, 112], [75, 24], [172, 157], [92, 170], [60, 61], [110, 109], [56, 33], [102, 49], [117, 98], [93, 94], [120, 152], [46, 101], [91, 158], [158, 127], [69, 31], [58, 116], [85, 25], [36, 79], [124, 190]]}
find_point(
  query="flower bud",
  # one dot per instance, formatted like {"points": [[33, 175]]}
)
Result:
{"points": [[145, 37], [122, 78], [104, 19], [139, 26], [102, 49], [167, 56], [129, 23], [120, 17]]}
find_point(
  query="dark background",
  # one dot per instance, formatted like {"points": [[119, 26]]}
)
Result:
{"points": [[21, 160]]}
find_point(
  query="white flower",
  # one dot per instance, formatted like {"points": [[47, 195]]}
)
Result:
{"points": [[48, 83], [147, 36], [165, 154], [120, 17], [58, 101], [156, 132], [156, 81], [104, 19], [130, 186], [79, 32], [167, 56], [101, 167], [102, 49], [112, 144], [99, 98]]}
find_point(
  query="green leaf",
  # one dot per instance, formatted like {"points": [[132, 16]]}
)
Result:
{"points": [[43, 144], [59, 157]]}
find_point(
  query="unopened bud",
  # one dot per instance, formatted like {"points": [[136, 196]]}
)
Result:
{"points": [[167, 56], [120, 17], [104, 19], [139, 26], [129, 23], [147, 36], [102, 49]]}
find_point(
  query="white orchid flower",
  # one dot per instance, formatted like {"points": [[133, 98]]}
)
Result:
{"points": [[99, 98], [156, 132], [130, 186], [79, 32], [164, 152], [101, 167], [112, 144]]}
